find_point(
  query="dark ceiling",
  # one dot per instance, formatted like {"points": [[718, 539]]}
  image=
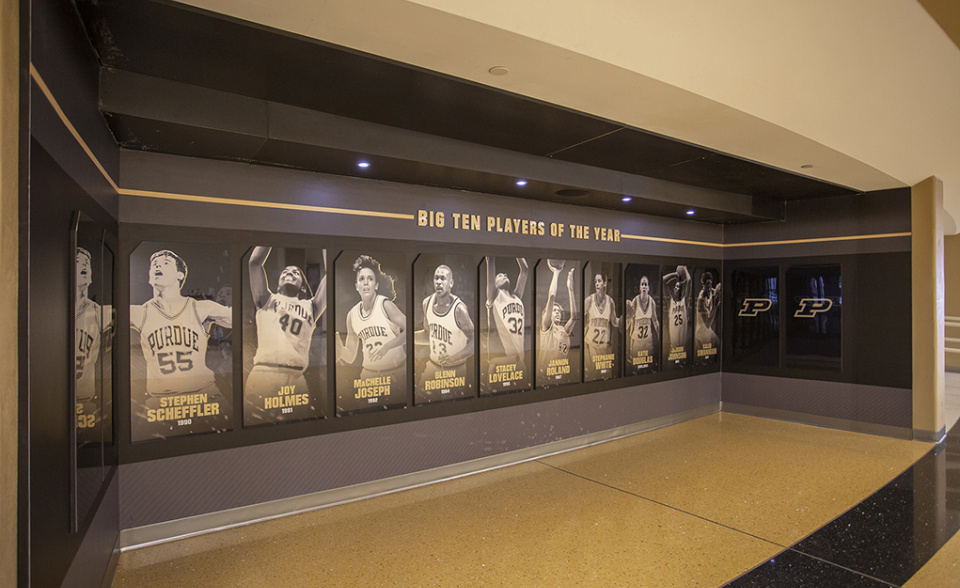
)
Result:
{"points": [[179, 80]]}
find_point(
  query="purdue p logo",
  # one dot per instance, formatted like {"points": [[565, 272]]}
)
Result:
{"points": [[810, 307], [754, 306]]}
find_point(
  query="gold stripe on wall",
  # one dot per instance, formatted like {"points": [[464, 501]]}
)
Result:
{"points": [[260, 204], [820, 240], [665, 240]]}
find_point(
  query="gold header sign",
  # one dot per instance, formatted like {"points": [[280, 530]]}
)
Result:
{"points": [[521, 226]]}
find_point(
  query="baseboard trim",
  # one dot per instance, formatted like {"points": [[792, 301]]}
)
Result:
{"points": [[820, 421], [112, 566], [166, 531]]}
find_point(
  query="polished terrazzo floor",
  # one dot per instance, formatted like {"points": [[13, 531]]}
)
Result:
{"points": [[721, 499]]}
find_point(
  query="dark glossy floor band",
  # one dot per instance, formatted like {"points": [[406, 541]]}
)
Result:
{"points": [[885, 539]]}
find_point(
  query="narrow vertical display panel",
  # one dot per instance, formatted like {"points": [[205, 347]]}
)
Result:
{"points": [[677, 317], [756, 322], [445, 289], [505, 326], [641, 318], [814, 305], [181, 356], [558, 335], [371, 331], [284, 343], [706, 333], [602, 334]]}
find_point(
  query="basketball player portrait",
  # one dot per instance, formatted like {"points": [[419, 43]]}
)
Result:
{"points": [[445, 344], [505, 345], [556, 355], [91, 324], [276, 388], [600, 328], [375, 335], [180, 394], [677, 287], [642, 324], [706, 342]]}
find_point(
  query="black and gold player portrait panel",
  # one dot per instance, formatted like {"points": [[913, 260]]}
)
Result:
{"points": [[558, 316], [506, 325], [677, 297], [706, 331], [756, 316], [602, 319], [181, 354], [444, 307], [371, 332], [814, 302], [641, 318], [284, 343]]}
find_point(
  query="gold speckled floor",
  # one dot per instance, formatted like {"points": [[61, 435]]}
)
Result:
{"points": [[694, 504]]}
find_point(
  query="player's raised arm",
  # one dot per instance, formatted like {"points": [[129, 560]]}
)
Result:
{"points": [[214, 312], [685, 281], [573, 303], [546, 319], [320, 298], [491, 281], [522, 278], [258, 276]]}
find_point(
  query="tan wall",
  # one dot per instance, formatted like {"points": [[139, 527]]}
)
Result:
{"points": [[9, 187]]}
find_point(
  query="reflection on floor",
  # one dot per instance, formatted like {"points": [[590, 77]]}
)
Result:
{"points": [[695, 504], [951, 399]]}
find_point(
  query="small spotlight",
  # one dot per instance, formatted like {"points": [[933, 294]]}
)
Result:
{"points": [[363, 164], [626, 198], [691, 212], [521, 182]]}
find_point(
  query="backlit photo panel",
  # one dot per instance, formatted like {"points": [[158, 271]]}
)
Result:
{"points": [[602, 319], [445, 335], [284, 343], [814, 303], [371, 370], [558, 316], [505, 325], [678, 294], [641, 318], [756, 318], [706, 332], [181, 356]]}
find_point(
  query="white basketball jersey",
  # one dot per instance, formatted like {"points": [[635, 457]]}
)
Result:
{"points": [[597, 327], [175, 349], [678, 322], [88, 349], [446, 337], [284, 330], [642, 337], [373, 330], [508, 316]]}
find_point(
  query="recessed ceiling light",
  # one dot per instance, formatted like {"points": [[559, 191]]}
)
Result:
{"points": [[627, 198], [363, 164], [691, 212], [521, 182], [498, 70]]}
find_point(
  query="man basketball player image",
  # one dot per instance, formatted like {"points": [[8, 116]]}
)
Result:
{"points": [[88, 329], [553, 359], [706, 341], [643, 328], [448, 330], [679, 286], [507, 318], [173, 331], [285, 324], [599, 320], [375, 329]]}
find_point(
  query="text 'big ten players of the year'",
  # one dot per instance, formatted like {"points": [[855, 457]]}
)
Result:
{"points": [[276, 388], [677, 288], [504, 361], [375, 329], [600, 325], [446, 342], [554, 363], [643, 326], [706, 342], [181, 393]]}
